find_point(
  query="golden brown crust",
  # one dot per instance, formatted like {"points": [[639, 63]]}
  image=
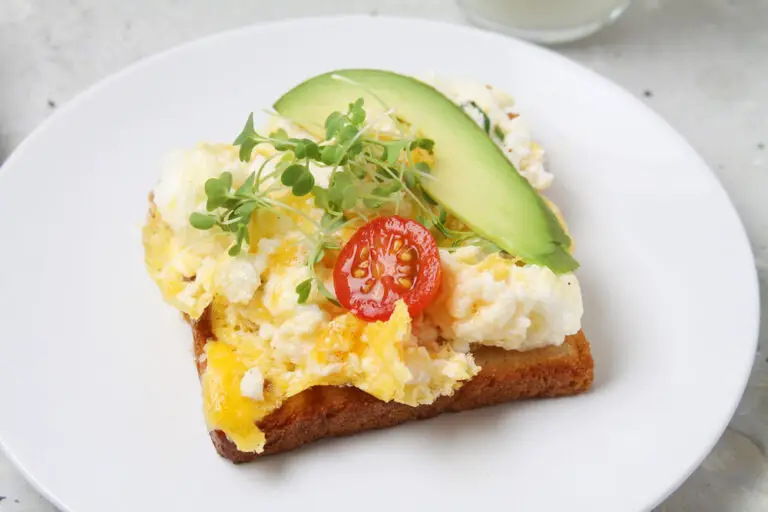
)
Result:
{"points": [[326, 411]]}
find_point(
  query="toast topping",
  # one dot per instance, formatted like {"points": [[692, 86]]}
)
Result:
{"points": [[253, 234], [388, 259], [488, 300], [382, 358]]}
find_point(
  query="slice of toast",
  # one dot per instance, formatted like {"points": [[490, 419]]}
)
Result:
{"points": [[326, 411]]}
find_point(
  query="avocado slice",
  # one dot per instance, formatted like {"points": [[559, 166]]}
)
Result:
{"points": [[473, 178]]}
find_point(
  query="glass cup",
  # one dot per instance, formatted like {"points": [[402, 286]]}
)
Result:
{"points": [[544, 21]]}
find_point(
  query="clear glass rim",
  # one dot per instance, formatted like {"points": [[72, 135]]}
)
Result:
{"points": [[549, 36]]}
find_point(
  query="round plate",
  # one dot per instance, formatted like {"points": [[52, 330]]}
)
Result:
{"points": [[100, 400]]}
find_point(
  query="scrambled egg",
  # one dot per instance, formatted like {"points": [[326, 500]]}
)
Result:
{"points": [[267, 347], [488, 300], [381, 358]]}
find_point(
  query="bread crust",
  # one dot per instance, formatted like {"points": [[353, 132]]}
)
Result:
{"points": [[329, 411]]}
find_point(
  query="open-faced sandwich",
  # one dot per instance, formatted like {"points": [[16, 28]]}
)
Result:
{"points": [[380, 252]]}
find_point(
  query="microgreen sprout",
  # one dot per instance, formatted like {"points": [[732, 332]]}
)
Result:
{"points": [[368, 171]]}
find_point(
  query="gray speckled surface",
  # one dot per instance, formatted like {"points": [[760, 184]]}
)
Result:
{"points": [[699, 63]]}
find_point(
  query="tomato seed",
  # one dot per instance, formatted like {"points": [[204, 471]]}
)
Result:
{"points": [[405, 282], [363, 264], [405, 269], [359, 273], [366, 287], [405, 256]]}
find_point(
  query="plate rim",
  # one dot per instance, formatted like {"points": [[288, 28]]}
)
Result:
{"points": [[466, 30]]}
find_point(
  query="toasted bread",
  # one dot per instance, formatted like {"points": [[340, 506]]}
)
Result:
{"points": [[326, 411]]}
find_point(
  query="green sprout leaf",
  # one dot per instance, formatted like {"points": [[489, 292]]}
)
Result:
{"points": [[303, 290], [284, 145], [388, 189], [300, 150], [332, 155], [292, 174], [347, 133], [349, 198], [226, 180], [215, 202], [335, 197], [371, 203], [229, 228], [313, 151], [247, 132], [244, 210], [343, 179], [240, 237], [202, 221], [306, 148], [442, 215], [321, 197], [246, 189], [215, 188], [357, 112], [394, 149], [411, 180], [355, 149], [340, 182], [287, 159], [279, 134], [304, 184], [247, 140], [235, 249], [334, 123], [363, 169]]}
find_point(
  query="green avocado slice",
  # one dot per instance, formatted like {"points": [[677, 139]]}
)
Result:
{"points": [[473, 178]]}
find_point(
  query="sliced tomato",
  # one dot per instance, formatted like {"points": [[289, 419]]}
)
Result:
{"points": [[388, 259]]}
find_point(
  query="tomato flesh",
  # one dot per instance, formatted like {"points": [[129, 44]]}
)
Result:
{"points": [[388, 259]]}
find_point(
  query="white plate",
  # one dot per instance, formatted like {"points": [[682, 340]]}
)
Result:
{"points": [[100, 400]]}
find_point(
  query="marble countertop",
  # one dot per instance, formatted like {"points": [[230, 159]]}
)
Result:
{"points": [[699, 63]]}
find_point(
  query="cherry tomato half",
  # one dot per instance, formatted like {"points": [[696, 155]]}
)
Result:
{"points": [[388, 259]]}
